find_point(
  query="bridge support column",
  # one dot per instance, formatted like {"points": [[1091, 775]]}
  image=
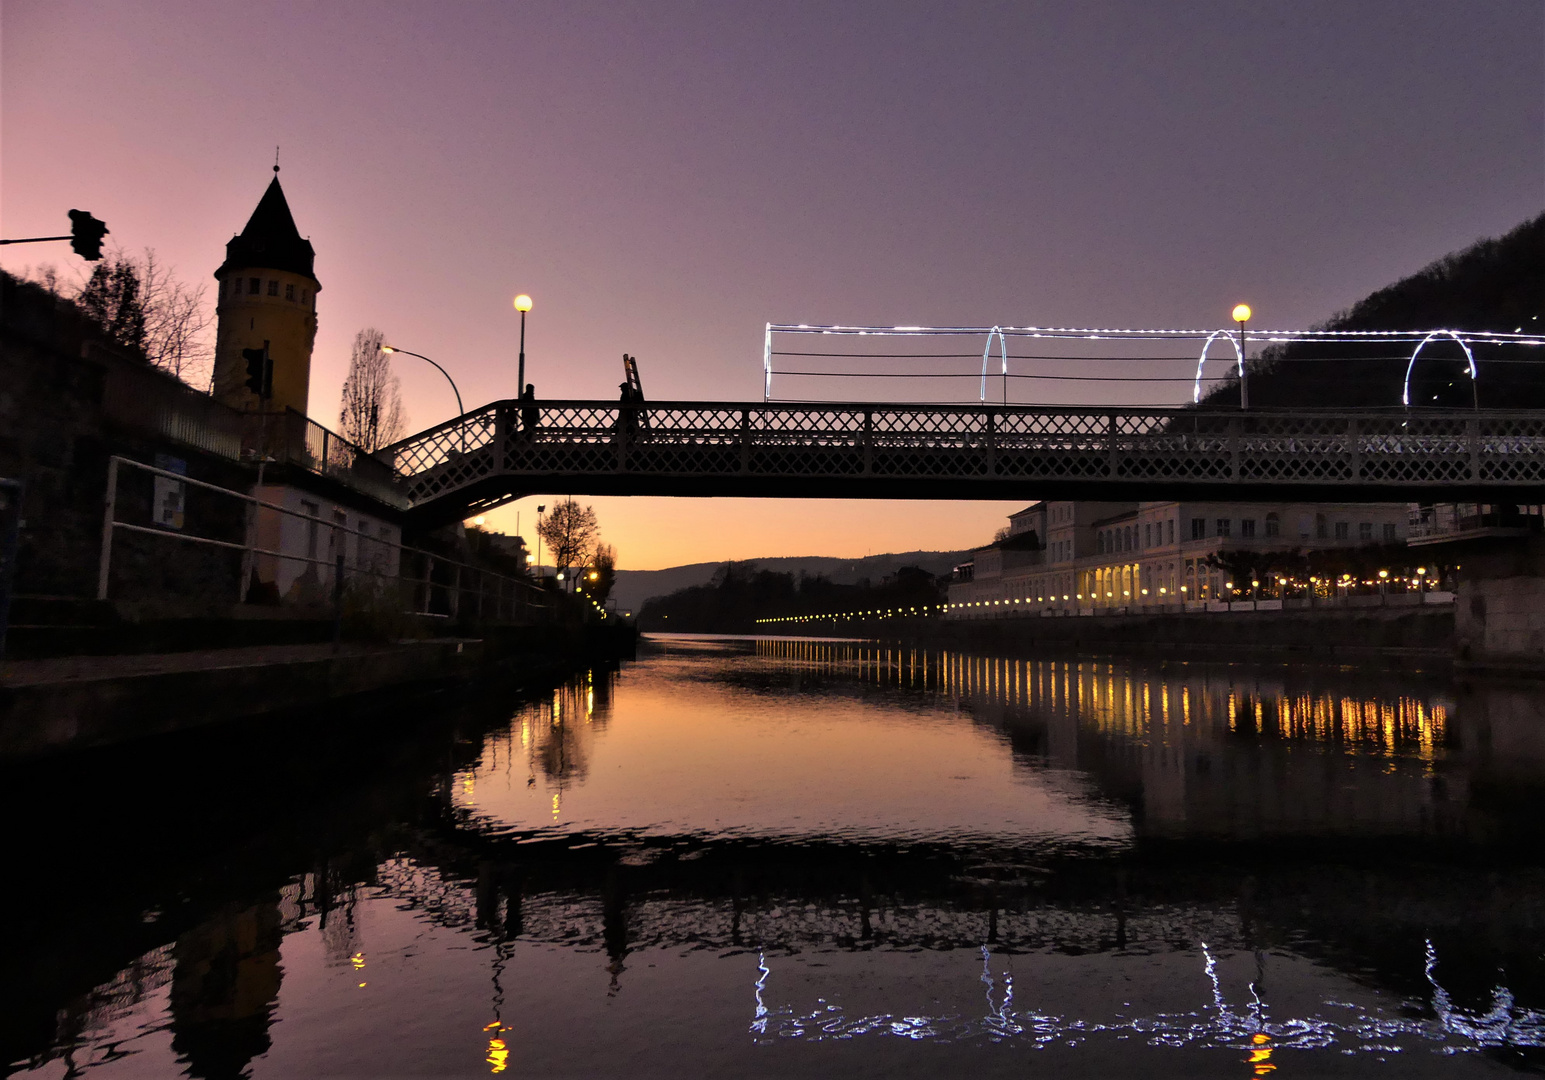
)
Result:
{"points": [[1499, 610]]}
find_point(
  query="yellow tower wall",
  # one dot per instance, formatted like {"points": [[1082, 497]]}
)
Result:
{"points": [[282, 312]]}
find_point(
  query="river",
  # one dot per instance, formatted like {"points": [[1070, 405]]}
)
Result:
{"points": [[781, 857]]}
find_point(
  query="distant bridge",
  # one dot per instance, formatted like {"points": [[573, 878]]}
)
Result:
{"points": [[765, 450]]}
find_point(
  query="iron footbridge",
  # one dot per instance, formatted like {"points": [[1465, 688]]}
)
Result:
{"points": [[510, 449]]}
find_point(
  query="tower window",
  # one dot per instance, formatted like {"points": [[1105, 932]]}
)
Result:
{"points": [[289, 292], [254, 286], [273, 288], [304, 297]]}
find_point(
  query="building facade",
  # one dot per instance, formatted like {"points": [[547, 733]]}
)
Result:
{"points": [[1066, 557]]}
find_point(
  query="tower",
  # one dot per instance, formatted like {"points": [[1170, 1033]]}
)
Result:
{"points": [[267, 295]]}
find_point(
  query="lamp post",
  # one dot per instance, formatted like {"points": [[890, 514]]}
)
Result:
{"points": [[1242, 316], [539, 510], [460, 411], [522, 305]]}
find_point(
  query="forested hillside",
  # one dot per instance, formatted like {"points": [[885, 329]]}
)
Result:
{"points": [[1495, 284]]}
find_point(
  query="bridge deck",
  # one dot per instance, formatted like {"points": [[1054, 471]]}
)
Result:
{"points": [[490, 455]]}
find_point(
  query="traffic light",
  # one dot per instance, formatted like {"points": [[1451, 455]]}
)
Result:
{"points": [[260, 371], [86, 234]]}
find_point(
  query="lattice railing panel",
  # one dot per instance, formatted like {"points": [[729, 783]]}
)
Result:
{"points": [[451, 475], [433, 448], [927, 429]]}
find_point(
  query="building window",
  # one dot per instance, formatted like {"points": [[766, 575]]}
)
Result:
{"points": [[1099, 543], [1247, 528], [1198, 528], [1343, 530], [1273, 525], [273, 288], [1389, 532], [304, 297], [1365, 532], [312, 511], [289, 292], [254, 286], [1126, 538], [1321, 527], [1171, 530], [1147, 536], [1223, 527]]}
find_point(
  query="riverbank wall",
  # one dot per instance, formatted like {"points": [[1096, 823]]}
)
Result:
{"points": [[1338, 634], [64, 704]]}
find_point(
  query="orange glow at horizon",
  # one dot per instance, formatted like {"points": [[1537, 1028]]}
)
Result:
{"points": [[654, 533]]}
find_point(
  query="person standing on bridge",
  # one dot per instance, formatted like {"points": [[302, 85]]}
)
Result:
{"points": [[529, 413]]}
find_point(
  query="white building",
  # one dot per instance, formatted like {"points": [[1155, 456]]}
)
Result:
{"points": [[1063, 557], [311, 543]]}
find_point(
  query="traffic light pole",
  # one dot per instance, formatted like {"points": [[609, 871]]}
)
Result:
{"points": [[85, 237]]}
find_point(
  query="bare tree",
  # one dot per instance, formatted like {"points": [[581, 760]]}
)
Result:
{"points": [[142, 305], [176, 323], [371, 415], [569, 531]]}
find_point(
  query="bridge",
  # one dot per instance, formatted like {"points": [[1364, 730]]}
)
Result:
{"points": [[509, 449]]}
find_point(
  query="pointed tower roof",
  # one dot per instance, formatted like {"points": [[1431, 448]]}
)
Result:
{"points": [[270, 239]]}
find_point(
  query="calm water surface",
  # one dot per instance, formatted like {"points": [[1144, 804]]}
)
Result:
{"points": [[764, 858]]}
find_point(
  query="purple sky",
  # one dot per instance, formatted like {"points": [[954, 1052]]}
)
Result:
{"points": [[666, 178]]}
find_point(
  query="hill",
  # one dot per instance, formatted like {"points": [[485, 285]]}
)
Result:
{"points": [[1494, 284], [634, 587]]}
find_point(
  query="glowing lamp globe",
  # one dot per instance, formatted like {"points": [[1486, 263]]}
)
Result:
{"points": [[387, 349], [1242, 312], [523, 303]]}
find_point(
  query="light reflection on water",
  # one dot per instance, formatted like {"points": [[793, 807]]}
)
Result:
{"points": [[744, 848]]}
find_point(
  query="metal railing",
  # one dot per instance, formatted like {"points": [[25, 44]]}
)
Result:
{"points": [[137, 395], [472, 590], [292, 438], [1198, 449]]}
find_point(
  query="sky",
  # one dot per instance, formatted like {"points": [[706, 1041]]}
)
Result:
{"points": [[664, 179]]}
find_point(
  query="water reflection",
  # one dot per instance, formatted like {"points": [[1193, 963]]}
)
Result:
{"points": [[742, 848], [1236, 750]]}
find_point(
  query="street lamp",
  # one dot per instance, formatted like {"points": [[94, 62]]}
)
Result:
{"points": [[1242, 316], [539, 511], [522, 305], [460, 411]]}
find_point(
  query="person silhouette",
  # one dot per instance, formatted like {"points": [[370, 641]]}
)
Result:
{"points": [[530, 415]]}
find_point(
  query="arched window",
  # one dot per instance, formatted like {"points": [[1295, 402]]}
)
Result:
{"points": [[1273, 524], [1099, 543], [1126, 538]]}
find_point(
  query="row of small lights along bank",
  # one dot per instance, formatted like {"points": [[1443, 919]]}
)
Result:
{"points": [[877, 613], [1344, 581]]}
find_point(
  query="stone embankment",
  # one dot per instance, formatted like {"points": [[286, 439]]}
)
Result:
{"points": [[1321, 634], [61, 704]]}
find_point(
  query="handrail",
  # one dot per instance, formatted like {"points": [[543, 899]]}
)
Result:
{"points": [[110, 524]]}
